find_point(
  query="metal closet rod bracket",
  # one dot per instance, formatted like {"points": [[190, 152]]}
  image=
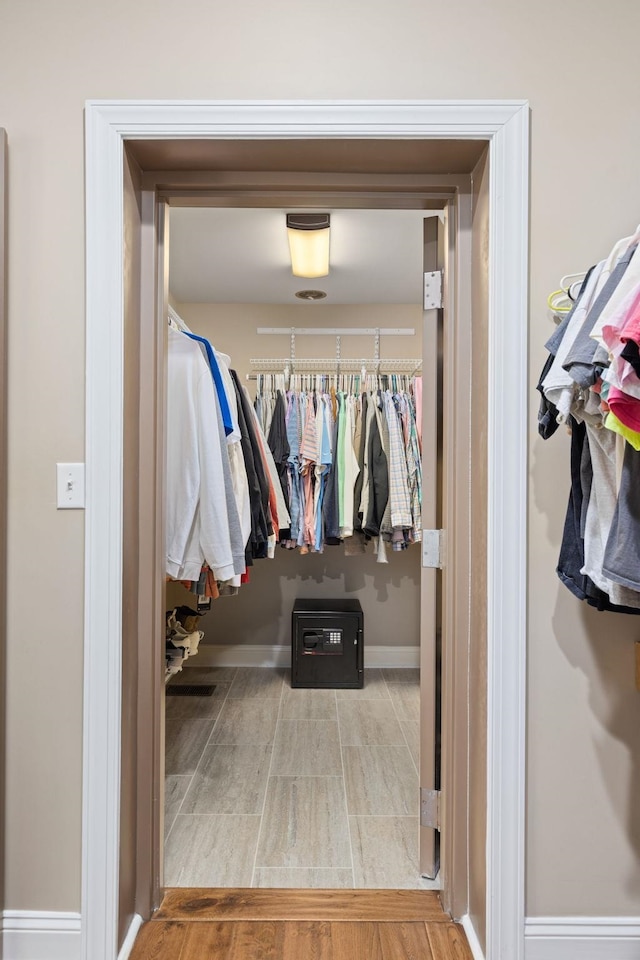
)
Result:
{"points": [[292, 363], [337, 331]]}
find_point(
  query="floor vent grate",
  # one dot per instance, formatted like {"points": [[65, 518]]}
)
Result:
{"points": [[190, 689]]}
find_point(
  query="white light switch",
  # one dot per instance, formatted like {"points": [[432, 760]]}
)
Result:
{"points": [[70, 486]]}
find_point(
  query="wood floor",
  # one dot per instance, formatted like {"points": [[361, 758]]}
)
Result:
{"points": [[249, 924]]}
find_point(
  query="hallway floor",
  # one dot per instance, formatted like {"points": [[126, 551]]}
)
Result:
{"points": [[279, 925], [272, 787]]}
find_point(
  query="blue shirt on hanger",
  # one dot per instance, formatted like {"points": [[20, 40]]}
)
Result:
{"points": [[218, 381]]}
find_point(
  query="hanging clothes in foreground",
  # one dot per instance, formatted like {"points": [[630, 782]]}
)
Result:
{"points": [[224, 499], [349, 463], [202, 517], [590, 383]]}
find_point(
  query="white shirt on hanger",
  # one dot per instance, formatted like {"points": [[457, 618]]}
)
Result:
{"points": [[197, 520]]}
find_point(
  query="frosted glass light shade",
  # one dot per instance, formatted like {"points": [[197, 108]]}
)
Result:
{"points": [[309, 252]]}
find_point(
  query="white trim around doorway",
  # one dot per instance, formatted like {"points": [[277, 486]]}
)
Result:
{"points": [[505, 124]]}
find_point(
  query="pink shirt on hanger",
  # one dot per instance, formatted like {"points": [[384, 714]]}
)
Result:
{"points": [[624, 324], [625, 408]]}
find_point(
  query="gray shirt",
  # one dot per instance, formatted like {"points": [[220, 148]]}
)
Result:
{"points": [[600, 513], [621, 561], [580, 361]]}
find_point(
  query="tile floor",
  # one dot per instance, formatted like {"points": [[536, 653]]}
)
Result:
{"points": [[272, 787]]}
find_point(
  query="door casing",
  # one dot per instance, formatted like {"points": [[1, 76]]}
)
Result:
{"points": [[144, 432], [427, 192], [109, 125], [4, 261]]}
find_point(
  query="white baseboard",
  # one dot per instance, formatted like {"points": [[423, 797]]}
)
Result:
{"points": [[40, 935], [130, 938], [472, 937], [582, 938], [259, 655]]}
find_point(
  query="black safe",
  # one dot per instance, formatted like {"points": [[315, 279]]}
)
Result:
{"points": [[327, 644]]}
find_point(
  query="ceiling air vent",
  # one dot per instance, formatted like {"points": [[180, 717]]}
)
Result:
{"points": [[310, 294]]}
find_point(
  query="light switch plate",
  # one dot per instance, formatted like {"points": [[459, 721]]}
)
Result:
{"points": [[70, 485]]}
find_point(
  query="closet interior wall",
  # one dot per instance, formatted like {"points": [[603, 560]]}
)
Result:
{"points": [[478, 714], [143, 601], [389, 593], [4, 193], [133, 350]]}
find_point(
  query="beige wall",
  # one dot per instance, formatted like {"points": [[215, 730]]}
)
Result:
{"points": [[389, 593], [3, 477], [577, 63]]}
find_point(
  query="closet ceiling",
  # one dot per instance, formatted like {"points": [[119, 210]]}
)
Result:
{"points": [[239, 254], [231, 255], [312, 156]]}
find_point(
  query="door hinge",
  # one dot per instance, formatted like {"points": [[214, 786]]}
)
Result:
{"points": [[433, 290], [433, 548], [430, 808]]}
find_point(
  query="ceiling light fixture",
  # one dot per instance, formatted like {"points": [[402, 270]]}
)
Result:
{"points": [[308, 235]]}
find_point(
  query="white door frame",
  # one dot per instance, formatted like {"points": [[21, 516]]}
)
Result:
{"points": [[506, 125]]}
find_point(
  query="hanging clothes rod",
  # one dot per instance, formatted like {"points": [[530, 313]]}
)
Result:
{"points": [[338, 331], [390, 362], [334, 365], [331, 366]]}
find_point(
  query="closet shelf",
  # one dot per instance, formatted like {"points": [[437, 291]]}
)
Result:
{"points": [[330, 364], [338, 331]]}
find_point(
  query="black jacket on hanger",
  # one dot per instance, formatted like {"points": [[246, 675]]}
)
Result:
{"points": [[357, 491], [261, 526], [378, 482], [279, 446]]}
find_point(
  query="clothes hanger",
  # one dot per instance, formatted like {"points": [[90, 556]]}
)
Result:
{"points": [[559, 302], [570, 279], [177, 322]]}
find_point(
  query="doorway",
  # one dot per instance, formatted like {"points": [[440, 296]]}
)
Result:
{"points": [[359, 746], [506, 128]]}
